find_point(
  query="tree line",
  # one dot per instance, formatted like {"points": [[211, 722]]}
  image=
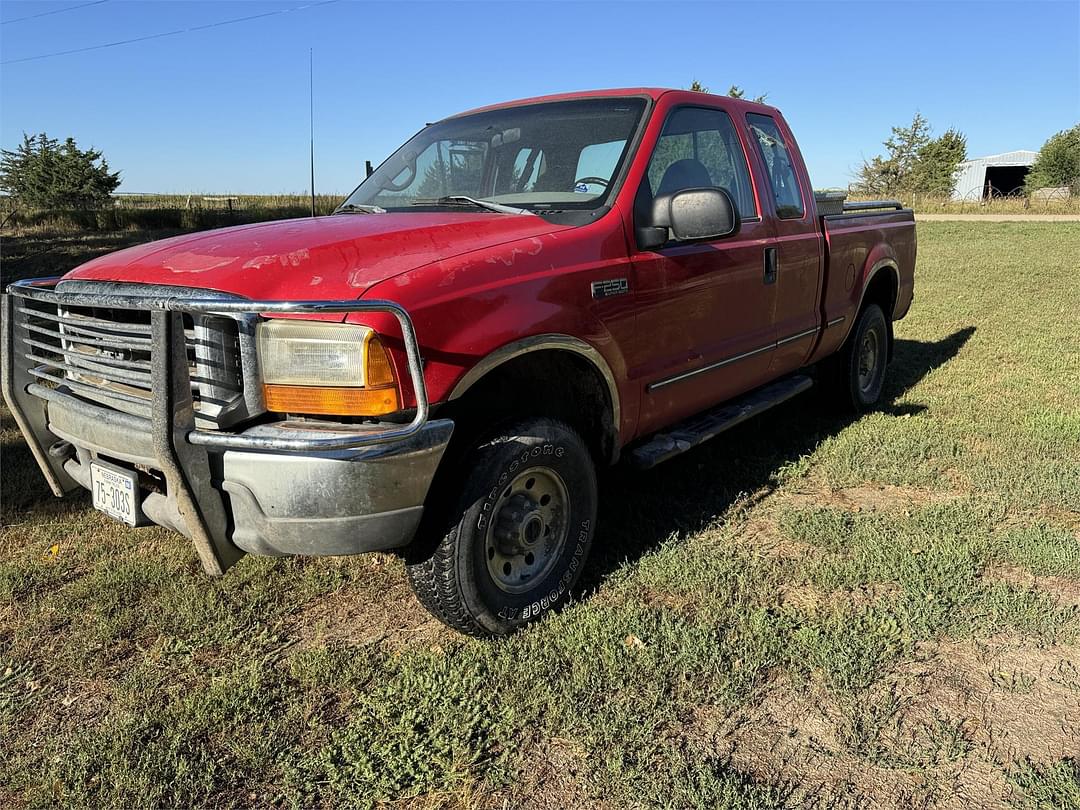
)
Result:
{"points": [[915, 162]]}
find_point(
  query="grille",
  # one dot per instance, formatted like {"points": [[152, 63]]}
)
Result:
{"points": [[105, 355]]}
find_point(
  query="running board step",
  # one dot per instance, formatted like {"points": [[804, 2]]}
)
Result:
{"points": [[709, 424]]}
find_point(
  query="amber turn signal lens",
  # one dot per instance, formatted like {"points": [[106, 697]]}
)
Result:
{"points": [[377, 368], [304, 399]]}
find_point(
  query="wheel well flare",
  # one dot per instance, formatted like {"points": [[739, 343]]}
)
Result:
{"points": [[560, 383]]}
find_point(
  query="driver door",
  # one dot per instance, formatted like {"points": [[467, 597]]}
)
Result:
{"points": [[705, 318]]}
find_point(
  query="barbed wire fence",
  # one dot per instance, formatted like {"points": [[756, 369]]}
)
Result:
{"points": [[1048, 200]]}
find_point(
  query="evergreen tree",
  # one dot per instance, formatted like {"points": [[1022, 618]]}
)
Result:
{"points": [[734, 91], [883, 175], [937, 162], [737, 92], [41, 172]]}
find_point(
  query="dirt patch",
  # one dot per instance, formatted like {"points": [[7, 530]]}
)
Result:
{"points": [[87, 700], [869, 498], [683, 604], [803, 742], [762, 535], [1032, 705], [554, 777], [1059, 515], [1065, 590], [941, 731], [380, 611]]}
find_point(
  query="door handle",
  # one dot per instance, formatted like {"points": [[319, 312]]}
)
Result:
{"points": [[771, 265]]}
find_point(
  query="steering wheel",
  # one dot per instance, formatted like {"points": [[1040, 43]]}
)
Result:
{"points": [[589, 180], [388, 185]]}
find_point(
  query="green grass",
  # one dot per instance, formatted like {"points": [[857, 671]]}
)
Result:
{"points": [[810, 611], [1055, 786]]}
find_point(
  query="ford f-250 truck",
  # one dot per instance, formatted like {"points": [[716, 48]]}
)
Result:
{"points": [[516, 297]]}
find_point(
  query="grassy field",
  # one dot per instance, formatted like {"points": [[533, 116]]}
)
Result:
{"points": [[157, 212], [812, 611]]}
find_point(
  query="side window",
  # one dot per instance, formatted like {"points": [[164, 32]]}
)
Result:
{"points": [[699, 148], [782, 179]]}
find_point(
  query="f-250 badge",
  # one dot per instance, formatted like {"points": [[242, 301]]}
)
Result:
{"points": [[610, 287]]}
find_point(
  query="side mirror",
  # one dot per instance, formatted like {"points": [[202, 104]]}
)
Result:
{"points": [[690, 215]]}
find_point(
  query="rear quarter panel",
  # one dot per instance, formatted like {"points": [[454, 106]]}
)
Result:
{"points": [[857, 248]]}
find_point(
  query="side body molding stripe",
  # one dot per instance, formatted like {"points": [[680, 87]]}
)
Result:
{"points": [[685, 375]]}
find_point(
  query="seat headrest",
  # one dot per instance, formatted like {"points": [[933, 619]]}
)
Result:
{"points": [[685, 173]]}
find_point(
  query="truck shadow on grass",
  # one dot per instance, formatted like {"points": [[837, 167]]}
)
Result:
{"points": [[640, 510], [23, 489]]}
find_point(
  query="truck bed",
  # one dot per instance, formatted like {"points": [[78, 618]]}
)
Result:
{"points": [[857, 243]]}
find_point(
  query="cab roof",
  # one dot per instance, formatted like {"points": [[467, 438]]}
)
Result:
{"points": [[654, 93]]}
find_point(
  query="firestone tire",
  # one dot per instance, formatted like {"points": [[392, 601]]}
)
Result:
{"points": [[863, 360], [514, 541]]}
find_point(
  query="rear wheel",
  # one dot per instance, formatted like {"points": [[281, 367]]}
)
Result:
{"points": [[514, 540], [863, 359]]}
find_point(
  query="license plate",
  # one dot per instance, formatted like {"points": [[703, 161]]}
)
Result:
{"points": [[115, 492]]}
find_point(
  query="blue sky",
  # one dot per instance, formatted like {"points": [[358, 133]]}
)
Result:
{"points": [[225, 109]]}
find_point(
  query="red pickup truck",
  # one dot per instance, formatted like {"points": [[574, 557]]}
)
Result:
{"points": [[518, 296]]}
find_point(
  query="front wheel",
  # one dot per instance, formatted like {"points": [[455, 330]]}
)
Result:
{"points": [[515, 539]]}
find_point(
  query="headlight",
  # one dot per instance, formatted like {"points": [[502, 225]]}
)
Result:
{"points": [[325, 368]]}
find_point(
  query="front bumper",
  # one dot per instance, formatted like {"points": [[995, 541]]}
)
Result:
{"points": [[278, 488]]}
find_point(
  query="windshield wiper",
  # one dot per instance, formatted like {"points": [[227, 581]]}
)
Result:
{"points": [[461, 198], [353, 208]]}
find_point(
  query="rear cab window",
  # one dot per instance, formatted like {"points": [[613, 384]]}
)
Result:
{"points": [[783, 181]]}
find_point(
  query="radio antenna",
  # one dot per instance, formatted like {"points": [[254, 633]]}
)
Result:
{"points": [[311, 121]]}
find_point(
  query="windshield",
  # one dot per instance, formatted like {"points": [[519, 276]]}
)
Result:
{"points": [[549, 156]]}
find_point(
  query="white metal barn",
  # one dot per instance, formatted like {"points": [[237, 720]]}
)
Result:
{"points": [[993, 175]]}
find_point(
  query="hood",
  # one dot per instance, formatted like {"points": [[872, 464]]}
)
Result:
{"points": [[336, 257]]}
